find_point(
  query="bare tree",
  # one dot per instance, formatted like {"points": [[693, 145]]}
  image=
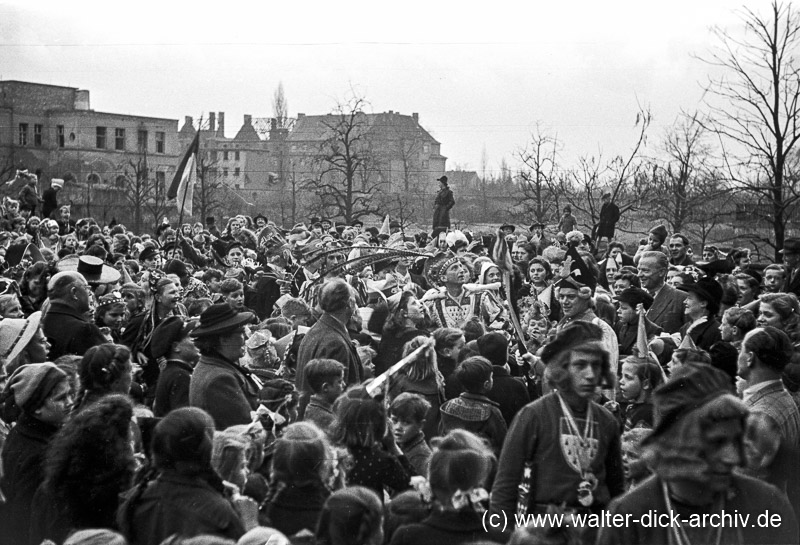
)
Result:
{"points": [[280, 107], [157, 203], [623, 176], [539, 176], [348, 169], [209, 189], [136, 186], [685, 184], [408, 145], [755, 110]]}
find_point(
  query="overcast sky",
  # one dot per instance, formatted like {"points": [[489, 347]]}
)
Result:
{"points": [[479, 74]]}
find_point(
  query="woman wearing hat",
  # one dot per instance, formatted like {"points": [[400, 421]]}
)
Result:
{"points": [[702, 306], [219, 385], [37, 397], [22, 342]]}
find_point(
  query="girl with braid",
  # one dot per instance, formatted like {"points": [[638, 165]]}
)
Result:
{"points": [[104, 369], [298, 482]]}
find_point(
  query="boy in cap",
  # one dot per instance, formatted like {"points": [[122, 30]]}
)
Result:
{"points": [[175, 351], [628, 319]]}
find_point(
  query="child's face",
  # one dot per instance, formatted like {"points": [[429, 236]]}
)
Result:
{"points": [[630, 384], [620, 285], [334, 388], [538, 329], [236, 299], [404, 430], [626, 313], [114, 317], [630, 455]]}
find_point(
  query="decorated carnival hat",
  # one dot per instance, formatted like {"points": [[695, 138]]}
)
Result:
{"points": [[93, 269]]}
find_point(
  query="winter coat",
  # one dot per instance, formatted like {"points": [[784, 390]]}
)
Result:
{"points": [[224, 391], [23, 472], [441, 208]]}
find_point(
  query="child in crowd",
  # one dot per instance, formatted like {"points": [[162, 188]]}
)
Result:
{"points": [[640, 376], [633, 465], [407, 414], [352, 516], [472, 410], [325, 377], [628, 319], [459, 469], [301, 469], [422, 377], [229, 459], [360, 426], [110, 315], [736, 322], [232, 292]]}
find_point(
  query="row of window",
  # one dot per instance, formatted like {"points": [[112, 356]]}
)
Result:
{"points": [[119, 139], [101, 138], [236, 172], [213, 156]]}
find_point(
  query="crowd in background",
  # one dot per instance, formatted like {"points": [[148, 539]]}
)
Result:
{"points": [[335, 384]]}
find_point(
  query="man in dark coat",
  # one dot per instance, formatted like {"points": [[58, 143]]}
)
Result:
{"points": [[441, 207], [609, 216], [791, 258], [328, 338], [65, 324], [50, 197]]}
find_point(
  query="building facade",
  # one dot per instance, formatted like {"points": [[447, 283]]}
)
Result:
{"points": [[53, 129]]}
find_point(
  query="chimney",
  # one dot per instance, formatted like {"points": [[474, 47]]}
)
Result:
{"points": [[188, 121], [300, 115], [81, 99], [221, 124], [212, 122], [248, 119], [415, 115], [273, 124]]}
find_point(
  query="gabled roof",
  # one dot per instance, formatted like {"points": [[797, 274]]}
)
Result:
{"points": [[247, 134]]}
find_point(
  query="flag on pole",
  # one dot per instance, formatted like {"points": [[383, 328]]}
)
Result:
{"points": [[182, 187]]}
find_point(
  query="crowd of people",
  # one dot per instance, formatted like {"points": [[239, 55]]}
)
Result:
{"points": [[339, 385]]}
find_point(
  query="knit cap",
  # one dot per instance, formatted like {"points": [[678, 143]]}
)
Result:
{"points": [[30, 385]]}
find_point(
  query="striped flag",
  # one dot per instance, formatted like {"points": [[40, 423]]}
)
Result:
{"points": [[182, 187]]}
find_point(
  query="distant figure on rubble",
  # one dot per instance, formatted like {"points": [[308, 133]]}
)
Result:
{"points": [[441, 207], [609, 216]]}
